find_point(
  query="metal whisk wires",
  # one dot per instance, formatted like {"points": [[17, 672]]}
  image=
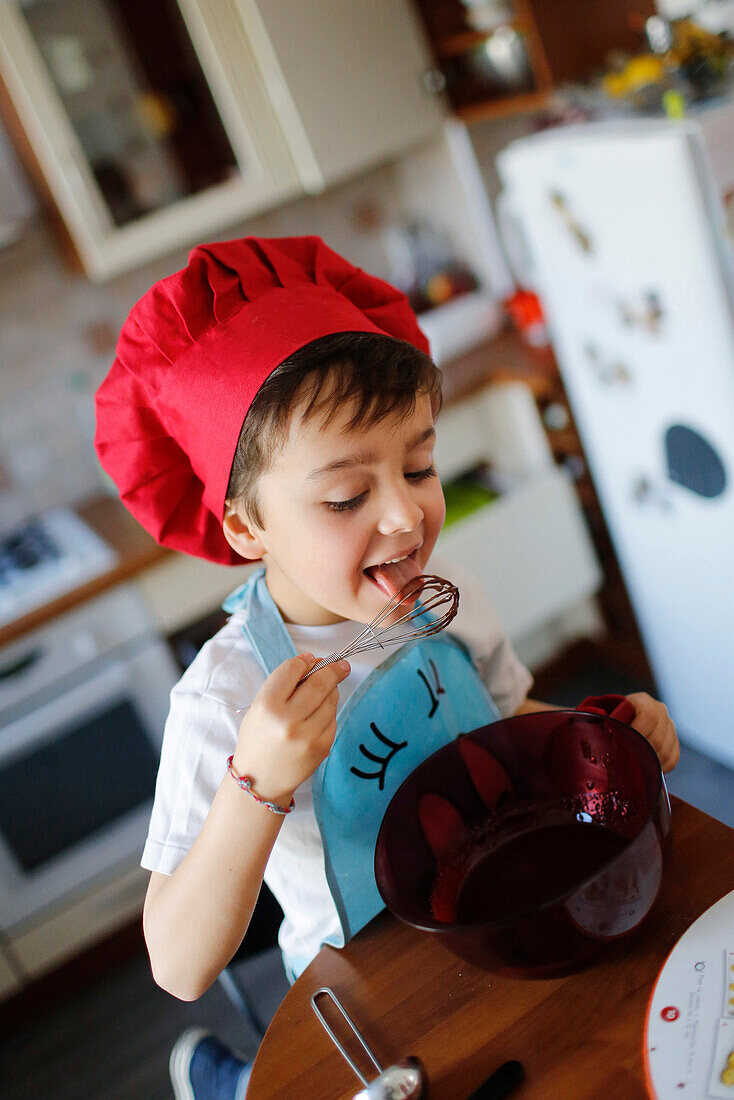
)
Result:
{"points": [[428, 598]]}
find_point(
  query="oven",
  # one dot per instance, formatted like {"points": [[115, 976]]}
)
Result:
{"points": [[83, 702]]}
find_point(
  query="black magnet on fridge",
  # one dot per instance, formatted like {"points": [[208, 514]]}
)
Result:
{"points": [[693, 462]]}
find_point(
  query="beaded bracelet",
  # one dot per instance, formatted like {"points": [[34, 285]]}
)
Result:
{"points": [[245, 784]]}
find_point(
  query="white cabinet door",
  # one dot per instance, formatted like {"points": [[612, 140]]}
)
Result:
{"points": [[530, 552], [65, 932], [347, 74], [150, 124]]}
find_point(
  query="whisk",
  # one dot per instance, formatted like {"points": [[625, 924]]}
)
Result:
{"points": [[435, 594]]}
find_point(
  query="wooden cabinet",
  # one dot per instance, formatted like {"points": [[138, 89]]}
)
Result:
{"points": [[151, 124], [500, 56], [59, 935]]}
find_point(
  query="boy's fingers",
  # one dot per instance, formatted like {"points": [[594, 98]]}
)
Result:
{"points": [[662, 743], [282, 681], [653, 721], [672, 751], [670, 758], [645, 718], [322, 722], [656, 735], [668, 764], [663, 735], [282, 687], [313, 691]]}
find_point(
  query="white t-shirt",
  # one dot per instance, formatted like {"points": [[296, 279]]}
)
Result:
{"points": [[207, 707]]}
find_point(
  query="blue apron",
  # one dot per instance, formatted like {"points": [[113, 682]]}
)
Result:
{"points": [[417, 700]]}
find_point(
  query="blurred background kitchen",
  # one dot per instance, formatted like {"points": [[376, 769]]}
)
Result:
{"points": [[553, 187]]}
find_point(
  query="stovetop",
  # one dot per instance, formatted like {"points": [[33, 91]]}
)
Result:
{"points": [[45, 557]]}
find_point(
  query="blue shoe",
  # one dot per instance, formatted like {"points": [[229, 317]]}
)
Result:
{"points": [[202, 1068]]}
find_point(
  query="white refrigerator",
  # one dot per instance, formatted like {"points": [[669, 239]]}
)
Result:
{"points": [[620, 228]]}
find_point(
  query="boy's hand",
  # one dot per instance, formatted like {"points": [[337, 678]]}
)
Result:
{"points": [[289, 728], [656, 726]]}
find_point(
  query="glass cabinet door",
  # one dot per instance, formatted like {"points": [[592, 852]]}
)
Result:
{"points": [[147, 117], [137, 99]]}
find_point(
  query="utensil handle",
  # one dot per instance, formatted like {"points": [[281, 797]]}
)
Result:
{"points": [[322, 663], [325, 991]]}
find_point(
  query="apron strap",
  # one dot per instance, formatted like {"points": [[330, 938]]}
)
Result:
{"points": [[262, 623]]}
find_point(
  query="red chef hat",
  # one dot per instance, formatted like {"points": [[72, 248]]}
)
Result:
{"points": [[193, 353]]}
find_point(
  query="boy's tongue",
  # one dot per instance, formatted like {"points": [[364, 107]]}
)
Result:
{"points": [[391, 578]]}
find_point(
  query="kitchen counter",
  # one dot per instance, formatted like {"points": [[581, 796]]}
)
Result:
{"points": [[505, 358], [136, 551]]}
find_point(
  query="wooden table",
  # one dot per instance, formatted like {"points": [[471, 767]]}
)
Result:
{"points": [[578, 1037]]}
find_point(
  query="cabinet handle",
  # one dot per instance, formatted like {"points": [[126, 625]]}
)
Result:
{"points": [[20, 666]]}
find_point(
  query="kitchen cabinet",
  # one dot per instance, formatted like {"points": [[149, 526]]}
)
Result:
{"points": [[358, 76], [180, 590], [529, 548], [89, 687], [502, 56], [150, 124], [506, 546], [137, 152], [56, 936]]}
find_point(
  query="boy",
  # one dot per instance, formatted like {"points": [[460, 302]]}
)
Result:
{"points": [[271, 402]]}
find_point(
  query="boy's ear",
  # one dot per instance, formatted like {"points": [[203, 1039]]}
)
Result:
{"points": [[242, 534]]}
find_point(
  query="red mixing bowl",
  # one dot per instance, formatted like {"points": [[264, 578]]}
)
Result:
{"points": [[529, 845]]}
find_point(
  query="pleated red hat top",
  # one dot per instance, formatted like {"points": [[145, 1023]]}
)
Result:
{"points": [[193, 353]]}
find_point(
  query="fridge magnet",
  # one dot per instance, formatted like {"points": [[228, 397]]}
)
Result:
{"points": [[646, 492], [580, 236], [613, 372], [693, 462], [646, 313]]}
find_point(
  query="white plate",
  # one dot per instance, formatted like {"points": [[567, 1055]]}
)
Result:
{"points": [[689, 1031]]}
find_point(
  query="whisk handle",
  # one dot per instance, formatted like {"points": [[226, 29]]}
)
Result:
{"points": [[322, 663]]}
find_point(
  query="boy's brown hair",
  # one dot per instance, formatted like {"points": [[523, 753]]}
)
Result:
{"points": [[379, 375]]}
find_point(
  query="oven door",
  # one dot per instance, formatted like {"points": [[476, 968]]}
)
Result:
{"points": [[77, 777]]}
